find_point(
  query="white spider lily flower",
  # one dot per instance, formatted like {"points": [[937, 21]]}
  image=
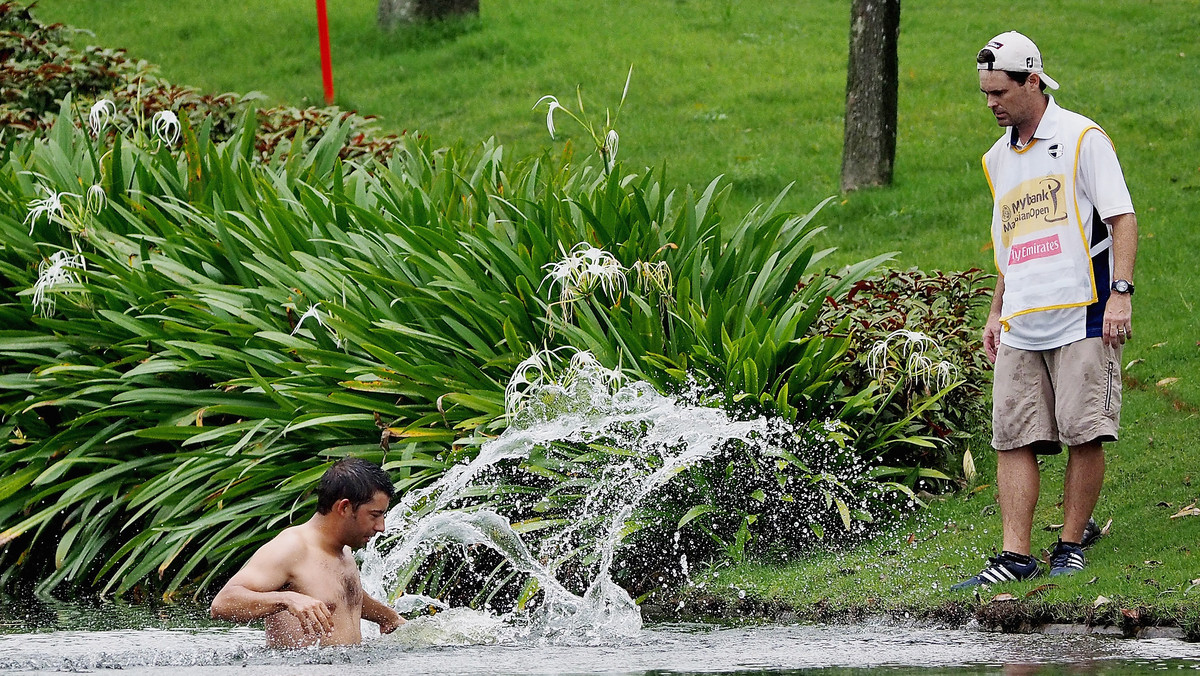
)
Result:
{"points": [[314, 312], [610, 148], [585, 269], [546, 375], [653, 277], [550, 108], [58, 271], [166, 126], [530, 374], [915, 348], [97, 199], [49, 207], [101, 114], [943, 372], [910, 343], [586, 362]]}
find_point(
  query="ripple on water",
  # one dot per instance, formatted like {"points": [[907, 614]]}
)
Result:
{"points": [[469, 642]]}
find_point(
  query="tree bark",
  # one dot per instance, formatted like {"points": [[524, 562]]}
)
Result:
{"points": [[393, 12], [872, 81]]}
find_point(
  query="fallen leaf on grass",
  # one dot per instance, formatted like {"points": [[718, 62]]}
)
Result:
{"points": [[1167, 381], [1130, 613], [1040, 590], [1103, 530], [1100, 600], [1152, 563], [1135, 361], [1159, 344], [1093, 580], [1000, 598], [1190, 510]]}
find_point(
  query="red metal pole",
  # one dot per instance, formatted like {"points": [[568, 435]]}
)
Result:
{"points": [[326, 59]]}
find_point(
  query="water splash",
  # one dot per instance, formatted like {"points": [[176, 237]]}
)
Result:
{"points": [[577, 401]]}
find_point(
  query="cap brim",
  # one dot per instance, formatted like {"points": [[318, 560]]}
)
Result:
{"points": [[1048, 80]]}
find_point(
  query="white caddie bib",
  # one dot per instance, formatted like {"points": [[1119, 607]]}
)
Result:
{"points": [[1038, 233]]}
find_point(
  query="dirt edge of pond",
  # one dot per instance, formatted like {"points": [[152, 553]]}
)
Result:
{"points": [[1008, 616]]}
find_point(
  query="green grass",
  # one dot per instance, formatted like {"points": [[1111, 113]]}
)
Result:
{"points": [[754, 91], [1147, 561]]}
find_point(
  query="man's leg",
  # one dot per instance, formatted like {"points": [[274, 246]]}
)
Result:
{"points": [[1019, 482], [1022, 414], [1081, 488]]}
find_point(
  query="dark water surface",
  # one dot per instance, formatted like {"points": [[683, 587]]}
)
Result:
{"points": [[39, 637]]}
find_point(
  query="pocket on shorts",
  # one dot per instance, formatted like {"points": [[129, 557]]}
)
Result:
{"points": [[1110, 376]]}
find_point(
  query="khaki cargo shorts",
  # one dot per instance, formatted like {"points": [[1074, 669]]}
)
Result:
{"points": [[1069, 395]]}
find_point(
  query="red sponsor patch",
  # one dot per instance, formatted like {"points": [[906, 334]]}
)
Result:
{"points": [[1033, 249]]}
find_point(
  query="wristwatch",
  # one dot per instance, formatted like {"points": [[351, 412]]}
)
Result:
{"points": [[1122, 286]]}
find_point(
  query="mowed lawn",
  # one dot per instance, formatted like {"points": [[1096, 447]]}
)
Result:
{"points": [[754, 92]]}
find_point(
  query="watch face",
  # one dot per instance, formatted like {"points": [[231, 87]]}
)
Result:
{"points": [[1121, 286]]}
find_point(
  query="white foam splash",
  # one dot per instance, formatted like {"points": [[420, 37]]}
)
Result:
{"points": [[583, 402]]}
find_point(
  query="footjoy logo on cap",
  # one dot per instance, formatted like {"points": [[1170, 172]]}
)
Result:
{"points": [[1055, 150]]}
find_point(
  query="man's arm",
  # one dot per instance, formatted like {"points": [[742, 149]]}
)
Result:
{"points": [[254, 592], [991, 330], [382, 614], [1118, 312]]}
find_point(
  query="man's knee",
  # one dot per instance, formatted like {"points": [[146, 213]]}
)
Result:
{"points": [[1089, 448]]}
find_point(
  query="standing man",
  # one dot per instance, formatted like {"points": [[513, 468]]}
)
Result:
{"points": [[305, 582], [1065, 239]]}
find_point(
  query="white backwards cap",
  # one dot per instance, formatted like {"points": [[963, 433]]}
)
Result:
{"points": [[1017, 53]]}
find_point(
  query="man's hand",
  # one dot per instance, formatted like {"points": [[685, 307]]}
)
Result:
{"points": [[390, 624], [1118, 319], [991, 337], [382, 614], [314, 616]]}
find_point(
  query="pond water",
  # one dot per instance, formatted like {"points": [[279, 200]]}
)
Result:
{"points": [[597, 632], [57, 637]]}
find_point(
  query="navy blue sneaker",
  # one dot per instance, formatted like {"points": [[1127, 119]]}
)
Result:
{"points": [[1007, 567], [1091, 533], [1066, 559]]}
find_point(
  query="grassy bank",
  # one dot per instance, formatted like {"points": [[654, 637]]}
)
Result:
{"points": [[754, 91], [1147, 566]]}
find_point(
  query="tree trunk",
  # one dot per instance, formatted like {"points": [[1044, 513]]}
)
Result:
{"points": [[393, 12], [872, 79]]}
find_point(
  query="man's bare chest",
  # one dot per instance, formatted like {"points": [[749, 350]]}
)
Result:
{"points": [[332, 580]]}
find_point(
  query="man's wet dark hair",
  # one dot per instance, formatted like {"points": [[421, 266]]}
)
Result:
{"points": [[355, 479], [1020, 77]]}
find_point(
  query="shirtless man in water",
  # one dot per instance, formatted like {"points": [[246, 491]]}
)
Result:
{"points": [[305, 582]]}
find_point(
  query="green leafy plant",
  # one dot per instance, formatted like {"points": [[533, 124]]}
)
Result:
{"points": [[234, 326], [932, 429], [198, 320]]}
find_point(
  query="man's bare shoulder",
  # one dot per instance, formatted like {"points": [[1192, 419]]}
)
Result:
{"points": [[283, 550]]}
